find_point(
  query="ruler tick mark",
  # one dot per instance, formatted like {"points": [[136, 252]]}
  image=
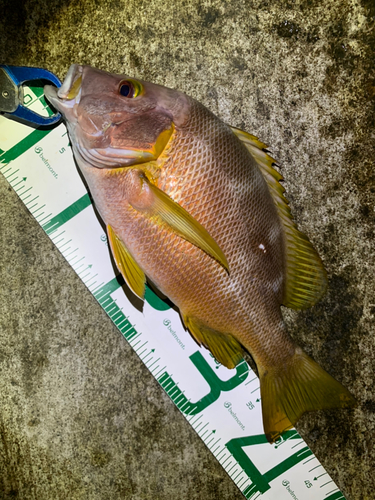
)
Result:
{"points": [[325, 484], [46, 217], [65, 244], [14, 173], [298, 444], [92, 277], [37, 210], [315, 467], [156, 360], [238, 475]]}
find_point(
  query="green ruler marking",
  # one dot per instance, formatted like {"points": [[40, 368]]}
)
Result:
{"points": [[25, 144], [102, 295], [38, 89], [67, 214], [105, 290], [261, 481], [336, 496], [113, 310], [217, 386]]}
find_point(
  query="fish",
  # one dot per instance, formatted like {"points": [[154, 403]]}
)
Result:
{"points": [[197, 208]]}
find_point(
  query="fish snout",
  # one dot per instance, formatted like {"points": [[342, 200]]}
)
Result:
{"points": [[68, 95], [72, 83]]}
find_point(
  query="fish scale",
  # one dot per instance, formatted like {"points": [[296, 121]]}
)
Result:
{"points": [[189, 191], [191, 184]]}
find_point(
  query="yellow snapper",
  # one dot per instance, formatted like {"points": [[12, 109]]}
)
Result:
{"points": [[196, 207]]}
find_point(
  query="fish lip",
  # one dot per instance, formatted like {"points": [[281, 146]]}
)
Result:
{"points": [[74, 72], [59, 98], [50, 92]]}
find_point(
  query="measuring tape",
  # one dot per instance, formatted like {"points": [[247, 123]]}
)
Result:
{"points": [[223, 406]]}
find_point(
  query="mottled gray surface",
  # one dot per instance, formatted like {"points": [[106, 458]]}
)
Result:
{"points": [[80, 417]]}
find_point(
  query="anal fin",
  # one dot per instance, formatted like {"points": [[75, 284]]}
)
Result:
{"points": [[224, 347], [133, 275]]}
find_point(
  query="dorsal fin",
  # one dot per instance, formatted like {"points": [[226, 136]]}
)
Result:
{"points": [[306, 278]]}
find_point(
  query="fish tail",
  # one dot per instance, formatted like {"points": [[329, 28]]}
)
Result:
{"points": [[298, 386]]}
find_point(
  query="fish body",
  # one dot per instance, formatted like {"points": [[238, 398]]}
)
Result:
{"points": [[196, 207]]}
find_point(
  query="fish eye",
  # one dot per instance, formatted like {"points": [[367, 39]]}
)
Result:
{"points": [[127, 89], [130, 88]]}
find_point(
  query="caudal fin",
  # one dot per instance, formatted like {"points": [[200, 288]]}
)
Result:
{"points": [[298, 386]]}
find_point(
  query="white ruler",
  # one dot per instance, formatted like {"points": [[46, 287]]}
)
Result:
{"points": [[223, 406]]}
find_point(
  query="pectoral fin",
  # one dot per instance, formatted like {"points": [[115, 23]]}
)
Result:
{"points": [[224, 347], [183, 223], [133, 275]]}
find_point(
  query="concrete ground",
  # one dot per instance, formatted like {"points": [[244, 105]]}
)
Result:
{"points": [[80, 416]]}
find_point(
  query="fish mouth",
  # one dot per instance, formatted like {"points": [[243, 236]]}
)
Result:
{"points": [[69, 93], [72, 84]]}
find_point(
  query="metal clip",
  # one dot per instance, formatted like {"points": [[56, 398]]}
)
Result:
{"points": [[11, 93]]}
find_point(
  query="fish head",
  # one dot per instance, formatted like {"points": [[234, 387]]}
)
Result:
{"points": [[115, 120]]}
